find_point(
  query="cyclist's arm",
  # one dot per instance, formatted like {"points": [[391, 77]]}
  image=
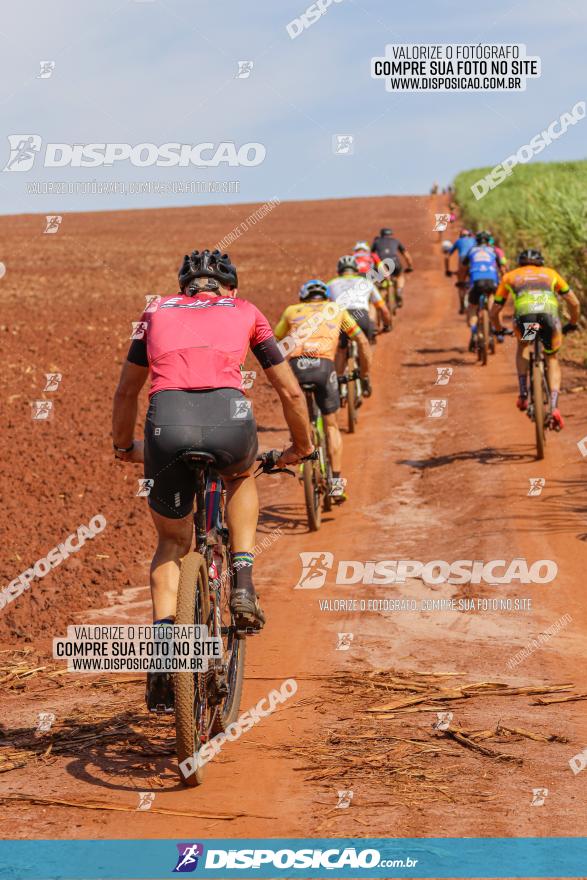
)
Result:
{"points": [[574, 306], [570, 298], [501, 296], [124, 408], [294, 407], [379, 303], [407, 256], [282, 326]]}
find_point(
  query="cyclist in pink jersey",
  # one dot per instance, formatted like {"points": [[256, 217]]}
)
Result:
{"points": [[194, 345]]}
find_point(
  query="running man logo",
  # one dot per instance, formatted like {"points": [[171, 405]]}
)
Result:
{"points": [[45, 721], [443, 375], [443, 720], [441, 222], [145, 487], [345, 797], [344, 641], [23, 151], [315, 564], [146, 798], [187, 860], [337, 487], [578, 762], [42, 410], [343, 144], [247, 379], [241, 409], [52, 223], [530, 331], [139, 328], [244, 69], [437, 409], [52, 381], [47, 68], [152, 300], [537, 484], [539, 796], [582, 446]]}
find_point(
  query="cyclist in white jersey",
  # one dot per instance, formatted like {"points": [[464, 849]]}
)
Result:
{"points": [[355, 293]]}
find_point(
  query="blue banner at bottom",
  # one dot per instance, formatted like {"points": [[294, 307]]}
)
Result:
{"points": [[304, 858]]}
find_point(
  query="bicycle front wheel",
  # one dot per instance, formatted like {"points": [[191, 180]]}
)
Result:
{"points": [[193, 607]]}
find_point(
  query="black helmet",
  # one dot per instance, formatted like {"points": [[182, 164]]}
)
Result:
{"points": [[313, 288], [483, 237], [345, 263], [386, 231], [530, 257], [208, 264]]}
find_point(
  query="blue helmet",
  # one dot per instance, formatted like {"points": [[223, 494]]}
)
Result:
{"points": [[314, 287]]}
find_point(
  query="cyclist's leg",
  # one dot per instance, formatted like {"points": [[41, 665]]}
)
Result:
{"points": [[552, 340], [472, 308], [334, 442], [363, 319], [399, 279], [174, 538], [522, 363], [341, 353], [328, 401]]}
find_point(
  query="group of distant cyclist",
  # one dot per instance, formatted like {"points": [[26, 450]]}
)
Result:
{"points": [[369, 284], [483, 277]]}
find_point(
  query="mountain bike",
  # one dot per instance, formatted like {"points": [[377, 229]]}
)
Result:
{"points": [[207, 702], [539, 398], [485, 339], [316, 469], [351, 388]]}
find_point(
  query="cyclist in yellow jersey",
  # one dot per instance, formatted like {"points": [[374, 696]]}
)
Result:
{"points": [[309, 333], [534, 288]]}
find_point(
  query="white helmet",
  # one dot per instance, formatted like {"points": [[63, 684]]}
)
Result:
{"points": [[362, 246], [446, 246]]}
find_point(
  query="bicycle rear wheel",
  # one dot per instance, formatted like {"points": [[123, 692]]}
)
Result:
{"points": [[539, 409], [483, 337], [191, 712]]}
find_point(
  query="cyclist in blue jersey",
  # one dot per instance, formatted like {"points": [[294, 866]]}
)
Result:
{"points": [[462, 246], [483, 265]]}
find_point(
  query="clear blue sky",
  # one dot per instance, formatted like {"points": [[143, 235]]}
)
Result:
{"points": [[162, 71]]}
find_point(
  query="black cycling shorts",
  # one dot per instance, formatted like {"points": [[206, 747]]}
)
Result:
{"points": [[485, 285], [218, 421], [362, 318], [549, 327], [321, 373]]}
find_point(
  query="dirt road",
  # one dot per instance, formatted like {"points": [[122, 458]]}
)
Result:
{"points": [[420, 488]]}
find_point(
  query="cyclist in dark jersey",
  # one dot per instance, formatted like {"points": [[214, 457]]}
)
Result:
{"points": [[194, 345], [386, 246]]}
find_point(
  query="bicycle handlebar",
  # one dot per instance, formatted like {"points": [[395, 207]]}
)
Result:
{"points": [[268, 461]]}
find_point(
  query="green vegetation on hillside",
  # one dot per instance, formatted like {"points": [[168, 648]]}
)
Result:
{"points": [[541, 204]]}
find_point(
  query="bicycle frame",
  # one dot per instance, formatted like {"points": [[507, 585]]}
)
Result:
{"points": [[317, 420]]}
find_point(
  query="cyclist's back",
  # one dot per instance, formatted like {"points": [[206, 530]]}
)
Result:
{"points": [[387, 247], [199, 342]]}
